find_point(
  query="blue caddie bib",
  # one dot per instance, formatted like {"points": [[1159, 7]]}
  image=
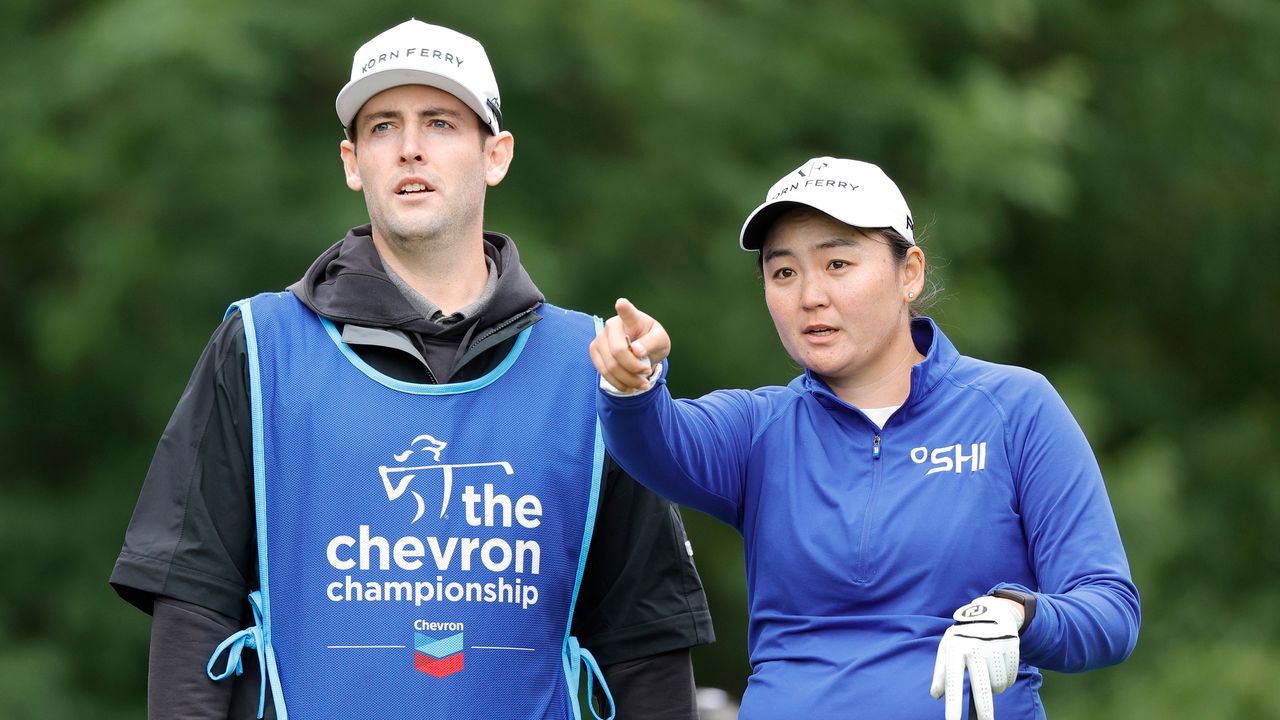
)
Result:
{"points": [[420, 547]]}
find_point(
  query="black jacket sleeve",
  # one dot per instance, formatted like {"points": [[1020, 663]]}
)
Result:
{"points": [[191, 536], [177, 685], [182, 635], [641, 594], [657, 687]]}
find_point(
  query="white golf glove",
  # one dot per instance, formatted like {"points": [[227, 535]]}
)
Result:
{"points": [[985, 641]]}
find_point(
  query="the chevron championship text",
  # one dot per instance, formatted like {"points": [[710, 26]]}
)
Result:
{"points": [[376, 567]]}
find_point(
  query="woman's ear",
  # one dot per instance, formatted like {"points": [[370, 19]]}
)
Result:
{"points": [[913, 267]]}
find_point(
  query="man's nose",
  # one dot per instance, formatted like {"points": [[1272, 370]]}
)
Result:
{"points": [[410, 149]]}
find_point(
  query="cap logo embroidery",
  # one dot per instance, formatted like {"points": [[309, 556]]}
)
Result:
{"points": [[815, 183], [812, 167], [426, 53]]}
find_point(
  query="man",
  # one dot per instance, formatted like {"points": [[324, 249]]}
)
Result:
{"points": [[400, 458]]}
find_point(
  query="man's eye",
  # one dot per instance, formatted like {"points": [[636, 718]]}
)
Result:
{"points": [[440, 124], [381, 127]]}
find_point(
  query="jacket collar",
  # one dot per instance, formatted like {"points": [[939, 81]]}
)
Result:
{"points": [[940, 356], [348, 285]]}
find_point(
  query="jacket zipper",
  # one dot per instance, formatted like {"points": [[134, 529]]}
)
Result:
{"points": [[863, 570]]}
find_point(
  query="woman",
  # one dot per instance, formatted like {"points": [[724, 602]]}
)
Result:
{"points": [[909, 514]]}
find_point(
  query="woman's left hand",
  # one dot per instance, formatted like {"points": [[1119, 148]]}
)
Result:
{"points": [[984, 640]]}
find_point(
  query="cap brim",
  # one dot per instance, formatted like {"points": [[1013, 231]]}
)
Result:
{"points": [[756, 228], [356, 93]]}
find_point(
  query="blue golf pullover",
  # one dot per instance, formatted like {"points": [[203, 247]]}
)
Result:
{"points": [[860, 542]]}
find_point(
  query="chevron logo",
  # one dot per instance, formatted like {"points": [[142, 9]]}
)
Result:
{"points": [[438, 657]]}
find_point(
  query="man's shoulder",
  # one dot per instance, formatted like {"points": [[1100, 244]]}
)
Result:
{"points": [[549, 310]]}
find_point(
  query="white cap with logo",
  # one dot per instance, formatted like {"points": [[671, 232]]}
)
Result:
{"points": [[417, 53], [854, 192]]}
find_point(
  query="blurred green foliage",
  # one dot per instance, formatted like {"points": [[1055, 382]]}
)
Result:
{"points": [[1097, 182]]}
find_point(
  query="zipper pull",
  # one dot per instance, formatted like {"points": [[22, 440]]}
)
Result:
{"points": [[875, 448]]}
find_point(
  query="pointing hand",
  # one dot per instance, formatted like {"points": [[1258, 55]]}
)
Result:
{"points": [[627, 349]]}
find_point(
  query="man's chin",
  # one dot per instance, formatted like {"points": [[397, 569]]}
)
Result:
{"points": [[409, 234]]}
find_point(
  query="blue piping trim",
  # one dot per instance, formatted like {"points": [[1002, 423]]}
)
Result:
{"points": [[573, 655], [427, 389], [260, 499]]}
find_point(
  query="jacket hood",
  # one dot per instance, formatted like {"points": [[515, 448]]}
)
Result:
{"points": [[348, 284]]}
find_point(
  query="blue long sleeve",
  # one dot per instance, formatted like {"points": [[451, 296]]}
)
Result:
{"points": [[693, 453], [861, 540], [1088, 610]]}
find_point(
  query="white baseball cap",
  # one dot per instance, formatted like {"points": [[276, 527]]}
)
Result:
{"points": [[417, 53], [854, 192]]}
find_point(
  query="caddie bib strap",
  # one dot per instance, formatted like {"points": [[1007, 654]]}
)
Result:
{"points": [[250, 637], [594, 673]]}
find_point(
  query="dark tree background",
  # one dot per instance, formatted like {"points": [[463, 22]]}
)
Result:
{"points": [[1097, 184]]}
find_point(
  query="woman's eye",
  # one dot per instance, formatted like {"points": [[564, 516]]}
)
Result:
{"points": [[781, 273], [838, 264]]}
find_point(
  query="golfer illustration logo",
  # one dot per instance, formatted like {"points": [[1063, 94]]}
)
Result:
{"points": [[396, 479]]}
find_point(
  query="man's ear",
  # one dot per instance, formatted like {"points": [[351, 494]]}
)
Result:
{"points": [[347, 150], [498, 151]]}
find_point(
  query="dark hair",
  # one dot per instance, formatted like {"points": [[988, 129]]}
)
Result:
{"points": [[898, 248]]}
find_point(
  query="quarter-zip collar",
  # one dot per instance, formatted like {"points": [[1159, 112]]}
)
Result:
{"points": [[940, 356]]}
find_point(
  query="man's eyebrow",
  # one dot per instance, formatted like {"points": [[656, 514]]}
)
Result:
{"points": [[440, 112], [379, 115]]}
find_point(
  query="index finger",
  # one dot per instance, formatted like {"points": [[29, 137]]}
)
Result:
{"points": [[980, 687], [954, 693], [619, 348], [634, 322]]}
